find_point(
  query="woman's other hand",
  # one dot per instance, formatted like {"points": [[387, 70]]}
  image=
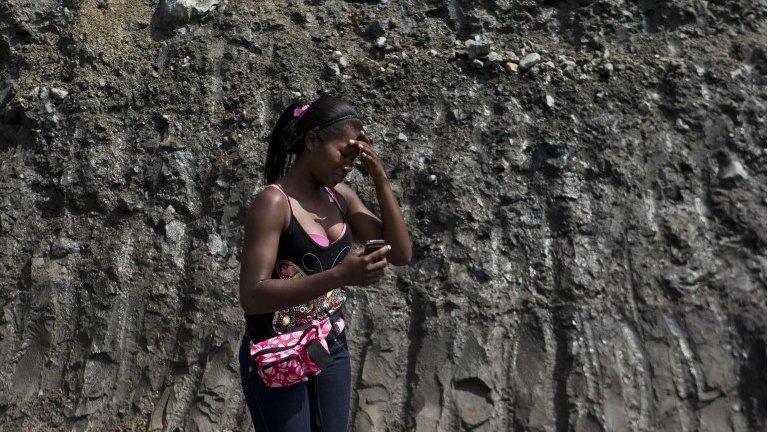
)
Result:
{"points": [[361, 270], [370, 159]]}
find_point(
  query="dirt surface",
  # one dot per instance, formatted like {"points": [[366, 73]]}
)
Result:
{"points": [[585, 185]]}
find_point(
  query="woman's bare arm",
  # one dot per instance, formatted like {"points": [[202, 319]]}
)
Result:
{"points": [[264, 222], [367, 226]]}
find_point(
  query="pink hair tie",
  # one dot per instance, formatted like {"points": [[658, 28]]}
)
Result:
{"points": [[298, 112]]}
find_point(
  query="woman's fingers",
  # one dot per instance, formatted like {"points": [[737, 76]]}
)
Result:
{"points": [[365, 150], [375, 264], [369, 158], [378, 265], [364, 146], [378, 253]]}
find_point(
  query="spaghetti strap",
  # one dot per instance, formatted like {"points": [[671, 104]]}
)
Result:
{"points": [[290, 208], [332, 193], [284, 194]]}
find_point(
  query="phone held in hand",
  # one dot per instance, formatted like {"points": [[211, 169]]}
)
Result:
{"points": [[372, 245]]}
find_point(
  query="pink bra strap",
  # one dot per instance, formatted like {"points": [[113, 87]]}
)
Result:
{"points": [[290, 208], [332, 193]]}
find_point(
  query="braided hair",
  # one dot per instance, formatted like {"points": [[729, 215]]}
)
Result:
{"points": [[328, 116]]}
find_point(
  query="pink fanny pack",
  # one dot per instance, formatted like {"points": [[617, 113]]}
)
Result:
{"points": [[289, 358]]}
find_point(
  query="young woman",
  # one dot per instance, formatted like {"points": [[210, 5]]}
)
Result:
{"points": [[297, 255]]}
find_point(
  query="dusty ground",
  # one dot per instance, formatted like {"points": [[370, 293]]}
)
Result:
{"points": [[589, 232]]}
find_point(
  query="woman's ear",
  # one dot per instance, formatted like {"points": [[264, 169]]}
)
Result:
{"points": [[311, 140]]}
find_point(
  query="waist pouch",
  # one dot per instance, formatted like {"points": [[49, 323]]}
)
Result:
{"points": [[290, 358]]}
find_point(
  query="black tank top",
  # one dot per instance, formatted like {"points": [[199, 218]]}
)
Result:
{"points": [[299, 255]]}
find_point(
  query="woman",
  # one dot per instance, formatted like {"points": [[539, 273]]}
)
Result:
{"points": [[297, 256]]}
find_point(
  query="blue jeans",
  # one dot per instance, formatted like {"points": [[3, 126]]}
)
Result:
{"points": [[320, 404]]}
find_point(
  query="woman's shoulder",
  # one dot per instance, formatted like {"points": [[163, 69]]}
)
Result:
{"points": [[269, 204], [269, 196]]}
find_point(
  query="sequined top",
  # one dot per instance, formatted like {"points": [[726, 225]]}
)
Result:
{"points": [[299, 255]]}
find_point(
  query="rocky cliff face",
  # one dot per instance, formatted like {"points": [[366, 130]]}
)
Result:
{"points": [[584, 183]]}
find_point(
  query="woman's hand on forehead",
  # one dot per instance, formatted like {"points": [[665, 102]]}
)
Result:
{"points": [[352, 143]]}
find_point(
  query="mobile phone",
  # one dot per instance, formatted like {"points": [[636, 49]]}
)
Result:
{"points": [[372, 245]]}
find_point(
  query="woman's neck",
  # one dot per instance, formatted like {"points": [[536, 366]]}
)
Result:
{"points": [[301, 182]]}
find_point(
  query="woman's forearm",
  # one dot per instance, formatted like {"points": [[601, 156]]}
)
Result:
{"points": [[270, 295], [393, 227]]}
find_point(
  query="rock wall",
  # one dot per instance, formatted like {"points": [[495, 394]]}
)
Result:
{"points": [[584, 182]]}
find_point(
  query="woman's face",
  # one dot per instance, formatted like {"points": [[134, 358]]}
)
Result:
{"points": [[331, 160]]}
